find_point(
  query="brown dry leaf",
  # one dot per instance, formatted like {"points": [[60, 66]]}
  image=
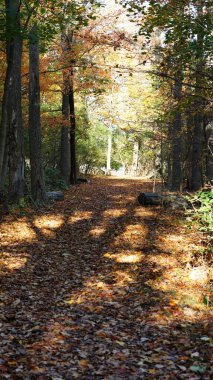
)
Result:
{"points": [[84, 363], [99, 285]]}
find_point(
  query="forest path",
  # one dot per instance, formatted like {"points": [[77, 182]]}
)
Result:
{"points": [[95, 287]]}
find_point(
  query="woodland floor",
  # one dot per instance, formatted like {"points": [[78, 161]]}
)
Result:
{"points": [[98, 287]]}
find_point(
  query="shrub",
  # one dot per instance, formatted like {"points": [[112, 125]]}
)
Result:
{"points": [[54, 180], [202, 210]]}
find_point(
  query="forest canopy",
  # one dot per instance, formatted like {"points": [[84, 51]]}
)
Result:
{"points": [[94, 87]]}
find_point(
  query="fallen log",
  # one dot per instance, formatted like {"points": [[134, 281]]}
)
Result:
{"points": [[172, 201], [150, 199], [55, 195]]}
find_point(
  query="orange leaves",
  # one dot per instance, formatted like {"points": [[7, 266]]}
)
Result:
{"points": [[87, 305], [173, 303], [102, 334], [84, 363]]}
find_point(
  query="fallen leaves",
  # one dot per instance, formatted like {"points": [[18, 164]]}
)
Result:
{"points": [[97, 287], [84, 363]]}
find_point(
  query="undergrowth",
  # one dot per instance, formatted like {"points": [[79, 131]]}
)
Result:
{"points": [[201, 212]]}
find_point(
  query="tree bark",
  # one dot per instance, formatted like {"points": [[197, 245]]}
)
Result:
{"points": [[65, 142], [109, 151], [135, 157], [11, 120], [4, 118], [73, 175], [196, 180], [66, 42], [177, 139], [4, 170], [14, 110], [209, 158], [37, 176], [169, 157]]}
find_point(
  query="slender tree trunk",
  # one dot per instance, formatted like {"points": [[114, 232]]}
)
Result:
{"points": [[177, 143], [73, 175], [14, 116], [4, 118], [197, 147], [37, 176], [65, 143], [196, 181], [109, 152], [169, 157], [135, 157], [209, 158], [187, 148], [66, 42]]}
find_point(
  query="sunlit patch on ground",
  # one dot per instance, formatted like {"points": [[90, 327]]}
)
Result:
{"points": [[80, 215], [199, 274], [97, 231], [48, 233], [51, 222], [96, 290], [114, 213], [125, 257], [123, 278], [175, 238], [10, 262], [133, 236], [17, 231], [93, 289], [143, 212]]}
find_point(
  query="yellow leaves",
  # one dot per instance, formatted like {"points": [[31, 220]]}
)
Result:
{"points": [[12, 363], [17, 231], [152, 371], [97, 232], [79, 216], [125, 257], [49, 221], [114, 213], [173, 303], [10, 262]]}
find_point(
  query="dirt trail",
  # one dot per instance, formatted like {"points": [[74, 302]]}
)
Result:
{"points": [[96, 287]]}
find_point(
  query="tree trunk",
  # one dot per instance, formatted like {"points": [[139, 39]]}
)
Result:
{"points": [[209, 158], [109, 151], [7, 90], [73, 176], [4, 170], [169, 157], [196, 180], [11, 121], [4, 118], [66, 42], [177, 143], [37, 176], [14, 113], [135, 157], [65, 143]]}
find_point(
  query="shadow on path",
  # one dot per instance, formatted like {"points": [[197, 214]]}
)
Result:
{"points": [[80, 295]]}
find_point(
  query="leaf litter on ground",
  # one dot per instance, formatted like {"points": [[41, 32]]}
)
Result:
{"points": [[98, 287]]}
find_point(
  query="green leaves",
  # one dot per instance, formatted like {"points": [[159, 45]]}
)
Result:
{"points": [[198, 369], [202, 213]]}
